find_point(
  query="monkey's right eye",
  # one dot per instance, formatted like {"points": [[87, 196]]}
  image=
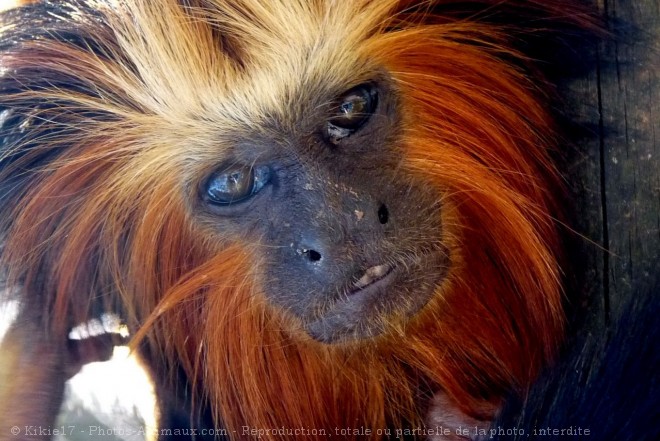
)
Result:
{"points": [[235, 184]]}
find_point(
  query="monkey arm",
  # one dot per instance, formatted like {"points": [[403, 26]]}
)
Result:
{"points": [[34, 367], [32, 377], [450, 423]]}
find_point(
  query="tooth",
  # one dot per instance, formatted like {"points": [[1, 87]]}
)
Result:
{"points": [[371, 274], [377, 271], [364, 281]]}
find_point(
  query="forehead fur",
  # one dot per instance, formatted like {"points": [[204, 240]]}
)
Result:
{"points": [[240, 61]]}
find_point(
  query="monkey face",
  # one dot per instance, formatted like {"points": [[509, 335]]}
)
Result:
{"points": [[347, 240]]}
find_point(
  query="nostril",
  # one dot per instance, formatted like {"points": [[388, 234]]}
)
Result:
{"points": [[383, 214], [313, 255]]}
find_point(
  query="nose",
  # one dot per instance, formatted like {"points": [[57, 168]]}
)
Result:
{"points": [[326, 245]]}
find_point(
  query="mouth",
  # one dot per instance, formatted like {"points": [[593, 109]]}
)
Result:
{"points": [[377, 297], [373, 278], [378, 291], [360, 299]]}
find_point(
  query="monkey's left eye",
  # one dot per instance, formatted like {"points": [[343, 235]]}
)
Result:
{"points": [[353, 110], [236, 183]]}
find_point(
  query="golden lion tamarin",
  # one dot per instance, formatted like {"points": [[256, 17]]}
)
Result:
{"points": [[319, 214]]}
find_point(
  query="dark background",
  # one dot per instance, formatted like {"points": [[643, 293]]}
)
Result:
{"points": [[614, 169]]}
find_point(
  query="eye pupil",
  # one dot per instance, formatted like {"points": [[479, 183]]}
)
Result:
{"points": [[354, 109], [231, 185], [234, 184], [348, 108], [240, 182]]}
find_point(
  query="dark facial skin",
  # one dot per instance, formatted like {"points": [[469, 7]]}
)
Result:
{"points": [[350, 240]]}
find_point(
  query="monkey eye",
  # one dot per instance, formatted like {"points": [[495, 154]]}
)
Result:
{"points": [[353, 110], [236, 183]]}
